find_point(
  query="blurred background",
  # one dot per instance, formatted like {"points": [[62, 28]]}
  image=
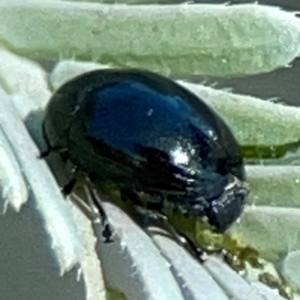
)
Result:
{"points": [[282, 84]]}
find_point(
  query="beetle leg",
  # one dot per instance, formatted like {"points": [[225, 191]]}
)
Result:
{"points": [[195, 250], [49, 150], [151, 218], [147, 214], [94, 199]]}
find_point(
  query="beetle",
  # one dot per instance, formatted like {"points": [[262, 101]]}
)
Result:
{"points": [[153, 138]]}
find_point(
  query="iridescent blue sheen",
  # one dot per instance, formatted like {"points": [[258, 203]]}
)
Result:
{"points": [[148, 134]]}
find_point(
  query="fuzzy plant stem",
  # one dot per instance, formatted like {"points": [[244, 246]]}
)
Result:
{"points": [[187, 39]]}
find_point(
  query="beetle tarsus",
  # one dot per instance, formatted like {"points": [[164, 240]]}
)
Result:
{"points": [[107, 234]]}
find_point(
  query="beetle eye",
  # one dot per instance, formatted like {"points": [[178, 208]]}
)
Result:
{"points": [[224, 210]]}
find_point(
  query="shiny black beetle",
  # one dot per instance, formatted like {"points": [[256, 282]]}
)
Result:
{"points": [[150, 136]]}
